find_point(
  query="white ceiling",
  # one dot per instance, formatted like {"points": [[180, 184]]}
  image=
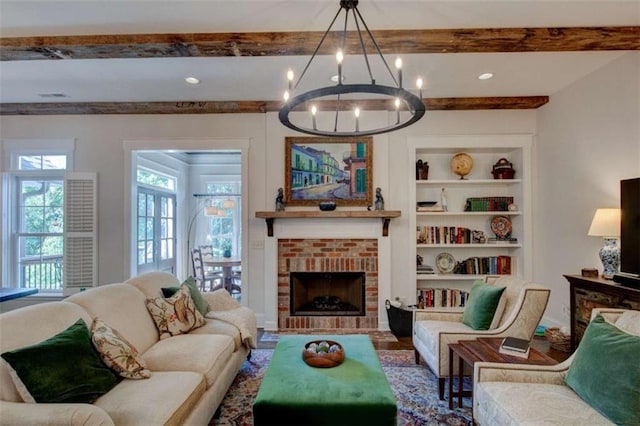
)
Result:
{"points": [[250, 78]]}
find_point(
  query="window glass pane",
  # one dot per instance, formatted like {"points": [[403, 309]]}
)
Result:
{"points": [[170, 228], [52, 246], [163, 228], [141, 204], [163, 207], [150, 205], [32, 219], [170, 249], [149, 229], [141, 229], [31, 247], [163, 249], [141, 245], [32, 193], [30, 162], [149, 251], [153, 178], [53, 219], [54, 193], [54, 162]]}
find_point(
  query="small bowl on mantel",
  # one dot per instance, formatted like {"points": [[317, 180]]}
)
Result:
{"points": [[327, 206], [323, 353]]}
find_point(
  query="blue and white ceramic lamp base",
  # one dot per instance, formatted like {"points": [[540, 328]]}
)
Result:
{"points": [[610, 257]]}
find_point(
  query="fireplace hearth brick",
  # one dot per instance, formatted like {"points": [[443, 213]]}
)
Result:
{"points": [[328, 255]]}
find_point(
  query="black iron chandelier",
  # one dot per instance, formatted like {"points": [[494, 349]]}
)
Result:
{"points": [[344, 98]]}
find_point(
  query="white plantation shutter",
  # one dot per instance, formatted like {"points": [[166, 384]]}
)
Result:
{"points": [[80, 231]]}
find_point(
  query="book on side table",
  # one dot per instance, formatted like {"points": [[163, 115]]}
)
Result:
{"points": [[515, 347]]}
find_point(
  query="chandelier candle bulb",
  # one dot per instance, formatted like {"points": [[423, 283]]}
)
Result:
{"points": [[399, 67], [397, 102], [286, 95], [290, 78], [356, 112], [313, 116], [419, 86]]}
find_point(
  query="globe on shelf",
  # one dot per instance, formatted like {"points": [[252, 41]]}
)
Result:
{"points": [[461, 164]]}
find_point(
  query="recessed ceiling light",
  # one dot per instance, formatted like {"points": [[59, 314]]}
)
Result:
{"points": [[192, 80], [485, 76]]}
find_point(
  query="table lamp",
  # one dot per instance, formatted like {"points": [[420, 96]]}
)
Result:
{"points": [[606, 224]]}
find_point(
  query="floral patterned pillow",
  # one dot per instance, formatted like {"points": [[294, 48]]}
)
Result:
{"points": [[176, 314], [117, 353]]}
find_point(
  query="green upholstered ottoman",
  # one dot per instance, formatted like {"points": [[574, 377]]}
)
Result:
{"points": [[353, 393]]}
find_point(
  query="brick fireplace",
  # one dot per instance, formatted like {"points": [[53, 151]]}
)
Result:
{"points": [[328, 255]]}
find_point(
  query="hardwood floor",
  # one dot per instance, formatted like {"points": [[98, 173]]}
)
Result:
{"points": [[405, 343]]}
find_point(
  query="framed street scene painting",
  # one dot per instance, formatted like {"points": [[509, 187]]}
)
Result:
{"points": [[328, 169]]}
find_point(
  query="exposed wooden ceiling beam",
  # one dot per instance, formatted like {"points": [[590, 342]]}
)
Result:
{"points": [[226, 107], [468, 40]]}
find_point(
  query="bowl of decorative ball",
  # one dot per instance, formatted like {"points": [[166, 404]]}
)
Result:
{"points": [[323, 353]]}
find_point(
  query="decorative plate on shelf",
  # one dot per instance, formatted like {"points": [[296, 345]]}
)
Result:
{"points": [[445, 263], [501, 226], [461, 164]]}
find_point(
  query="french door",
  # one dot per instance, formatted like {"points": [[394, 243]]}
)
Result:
{"points": [[156, 240]]}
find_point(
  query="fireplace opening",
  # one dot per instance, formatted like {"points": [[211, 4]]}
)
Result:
{"points": [[327, 293]]}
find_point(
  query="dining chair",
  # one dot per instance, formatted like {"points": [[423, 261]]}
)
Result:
{"points": [[202, 277]]}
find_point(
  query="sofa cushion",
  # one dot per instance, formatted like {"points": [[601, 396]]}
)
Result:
{"points": [[194, 291], [481, 307], [512, 403], [166, 398], [175, 315], [63, 368], [122, 307], [116, 352], [17, 331], [150, 284], [215, 326], [204, 354], [601, 372]]}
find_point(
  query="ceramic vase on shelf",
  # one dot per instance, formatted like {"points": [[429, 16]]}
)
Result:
{"points": [[610, 257]]}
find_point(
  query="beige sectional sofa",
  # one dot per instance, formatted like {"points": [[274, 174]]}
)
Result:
{"points": [[190, 373]]}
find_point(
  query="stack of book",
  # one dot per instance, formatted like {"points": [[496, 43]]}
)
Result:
{"points": [[515, 347], [425, 269]]}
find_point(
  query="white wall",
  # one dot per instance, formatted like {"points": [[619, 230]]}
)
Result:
{"points": [[588, 139], [99, 148]]}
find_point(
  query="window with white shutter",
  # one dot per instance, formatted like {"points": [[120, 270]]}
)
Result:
{"points": [[80, 232]]}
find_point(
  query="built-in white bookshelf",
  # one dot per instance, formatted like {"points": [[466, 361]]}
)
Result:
{"points": [[485, 150]]}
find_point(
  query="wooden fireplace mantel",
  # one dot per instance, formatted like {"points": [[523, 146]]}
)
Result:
{"points": [[385, 215]]}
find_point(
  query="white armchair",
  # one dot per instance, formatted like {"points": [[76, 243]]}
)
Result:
{"points": [[435, 328], [535, 394]]}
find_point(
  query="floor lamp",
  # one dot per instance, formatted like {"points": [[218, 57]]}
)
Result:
{"points": [[202, 203]]}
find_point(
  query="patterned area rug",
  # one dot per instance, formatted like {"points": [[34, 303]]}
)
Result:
{"points": [[376, 335], [415, 387]]}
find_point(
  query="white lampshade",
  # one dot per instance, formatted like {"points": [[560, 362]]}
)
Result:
{"points": [[228, 204], [210, 211], [606, 223]]}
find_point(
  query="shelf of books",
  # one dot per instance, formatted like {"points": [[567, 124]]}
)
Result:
{"points": [[470, 221], [441, 298]]}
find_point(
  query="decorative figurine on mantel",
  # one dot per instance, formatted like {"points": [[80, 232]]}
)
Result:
{"points": [[379, 204], [280, 201]]}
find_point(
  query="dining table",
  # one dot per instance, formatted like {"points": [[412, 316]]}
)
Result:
{"points": [[227, 264]]}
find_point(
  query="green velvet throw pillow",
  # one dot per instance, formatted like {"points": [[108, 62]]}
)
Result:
{"points": [[64, 368], [481, 306], [605, 372], [201, 305]]}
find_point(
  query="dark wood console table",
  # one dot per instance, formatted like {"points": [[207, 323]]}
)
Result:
{"points": [[587, 293]]}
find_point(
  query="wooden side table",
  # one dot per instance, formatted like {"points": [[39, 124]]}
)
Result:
{"points": [[484, 349]]}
